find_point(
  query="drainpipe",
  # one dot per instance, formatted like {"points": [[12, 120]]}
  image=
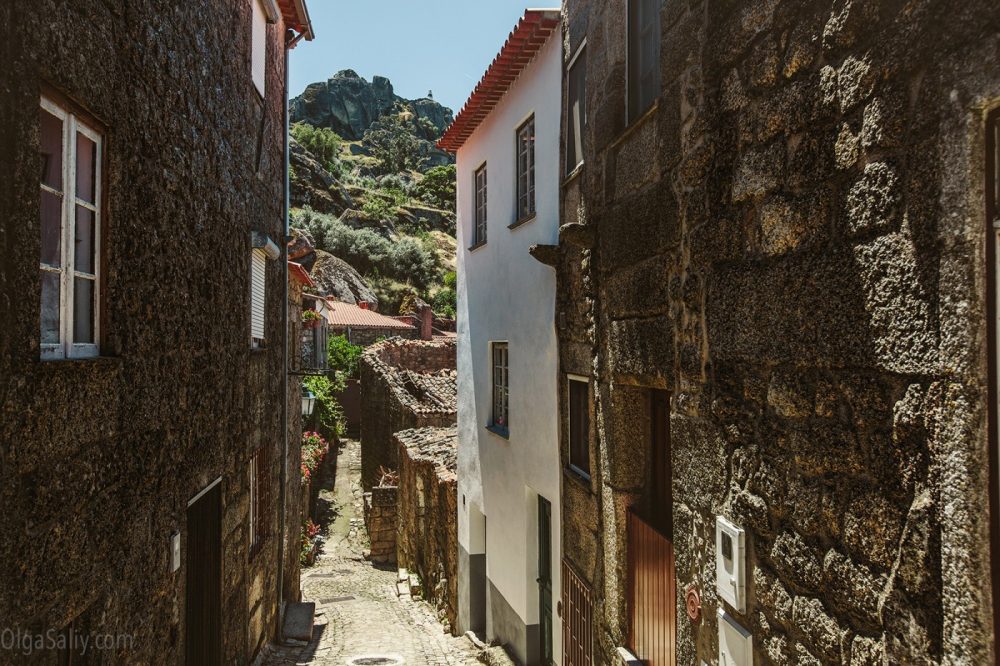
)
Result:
{"points": [[291, 39]]}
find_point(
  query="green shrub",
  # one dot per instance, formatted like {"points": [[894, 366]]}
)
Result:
{"points": [[437, 188], [382, 209], [394, 144], [343, 356], [328, 411], [322, 142]]}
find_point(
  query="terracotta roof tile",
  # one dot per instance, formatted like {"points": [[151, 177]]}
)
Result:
{"points": [[344, 315]]}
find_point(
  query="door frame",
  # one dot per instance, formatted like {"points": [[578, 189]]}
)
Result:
{"points": [[992, 210], [201, 495]]}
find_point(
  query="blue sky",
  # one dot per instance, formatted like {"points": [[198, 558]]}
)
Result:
{"points": [[420, 45]]}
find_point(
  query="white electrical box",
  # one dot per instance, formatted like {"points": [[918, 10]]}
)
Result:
{"points": [[175, 551], [735, 642], [730, 563]]}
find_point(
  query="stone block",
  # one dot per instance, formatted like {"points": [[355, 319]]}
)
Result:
{"points": [[872, 527], [867, 651], [790, 395], [641, 347], [760, 171], [796, 562], [856, 79], [874, 201], [823, 633], [772, 596], [853, 588], [638, 290]]}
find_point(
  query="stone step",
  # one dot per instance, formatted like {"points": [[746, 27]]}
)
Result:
{"points": [[299, 619]]}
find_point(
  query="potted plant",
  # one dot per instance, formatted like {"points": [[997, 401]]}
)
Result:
{"points": [[311, 318]]}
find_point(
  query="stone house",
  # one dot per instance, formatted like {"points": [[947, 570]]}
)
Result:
{"points": [[143, 346], [363, 326], [507, 140], [777, 271], [405, 384]]}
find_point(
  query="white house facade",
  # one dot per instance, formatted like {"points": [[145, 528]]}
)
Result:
{"points": [[507, 141]]}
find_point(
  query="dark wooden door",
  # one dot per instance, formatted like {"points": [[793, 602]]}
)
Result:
{"points": [[203, 604], [545, 578]]}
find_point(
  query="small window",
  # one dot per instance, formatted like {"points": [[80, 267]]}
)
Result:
{"points": [[576, 110], [479, 232], [579, 425], [258, 273], [257, 471], [501, 392], [70, 157], [526, 170], [643, 56], [258, 56]]}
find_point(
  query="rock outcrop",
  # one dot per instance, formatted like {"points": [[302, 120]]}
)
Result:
{"points": [[348, 104], [313, 185], [335, 277]]}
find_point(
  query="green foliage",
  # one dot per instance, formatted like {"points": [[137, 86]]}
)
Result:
{"points": [[451, 279], [444, 302], [394, 144], [328, 411], [406, 260], [382, 209], [437, 187], [343, 356], [322, 142]]}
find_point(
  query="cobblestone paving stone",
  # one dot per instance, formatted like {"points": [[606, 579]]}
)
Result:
{"points": [[358, 614]]}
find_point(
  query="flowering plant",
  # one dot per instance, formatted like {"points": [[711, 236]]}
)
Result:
{"points": [[314, 450], [309, 532], [310, 315]]}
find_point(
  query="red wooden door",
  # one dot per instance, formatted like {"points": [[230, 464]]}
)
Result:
{"points": [[652, 592]]}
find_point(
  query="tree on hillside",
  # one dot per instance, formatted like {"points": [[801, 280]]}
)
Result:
{"points": [[322, 142], [393, 143], [438, 187]]}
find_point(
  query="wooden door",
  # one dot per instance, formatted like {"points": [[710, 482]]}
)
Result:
{"points": [[652, 604], [545, 578], [203, 603]]}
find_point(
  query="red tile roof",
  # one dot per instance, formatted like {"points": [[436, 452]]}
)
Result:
{"points": [[299, 273], [531, 32], [344, 315], [296, 16]]}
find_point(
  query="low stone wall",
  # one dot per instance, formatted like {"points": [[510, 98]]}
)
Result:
{"points": [[381, 520], [427, 542], [404, 385]]}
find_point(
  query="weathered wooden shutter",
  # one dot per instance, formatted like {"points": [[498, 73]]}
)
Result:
{"points": [[257, 267]]}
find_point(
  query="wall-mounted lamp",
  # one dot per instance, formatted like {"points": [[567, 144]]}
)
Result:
{"points": [[308, 403]]}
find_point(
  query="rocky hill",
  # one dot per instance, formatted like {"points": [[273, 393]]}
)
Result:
{"points": [[372, 193]]}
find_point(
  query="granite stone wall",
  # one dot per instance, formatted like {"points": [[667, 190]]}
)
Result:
{"points": [[791, 243], [381, 521], [427, 542], [98, 458]]}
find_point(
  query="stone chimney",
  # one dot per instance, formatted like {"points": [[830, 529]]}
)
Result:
{"points": [[426, 322], [364, 305]]}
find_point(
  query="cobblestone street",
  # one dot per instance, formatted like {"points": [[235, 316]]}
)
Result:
{"points": [[359, 618]]}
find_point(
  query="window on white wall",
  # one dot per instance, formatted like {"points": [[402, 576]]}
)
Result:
{"points": [[526, 170], [576, 109], [258, 265], [501, 392], [70, 155], [259, 46], [479, 231]]}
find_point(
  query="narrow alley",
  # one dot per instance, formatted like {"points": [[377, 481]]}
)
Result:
{"points": [[360, 620]]}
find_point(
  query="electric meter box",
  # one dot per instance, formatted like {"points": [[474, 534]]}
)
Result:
{"points": [[735, 642], [730, 564]]}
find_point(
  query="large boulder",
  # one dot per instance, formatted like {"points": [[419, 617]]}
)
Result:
{"points": [[313, 185], [302, 248], [348, 104], [335, 277]]}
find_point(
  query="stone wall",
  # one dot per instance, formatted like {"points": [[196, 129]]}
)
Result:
{"points": [[99, 458], [791, 243], [381, 510], [428, 511], [365, 337], [404, 384]]}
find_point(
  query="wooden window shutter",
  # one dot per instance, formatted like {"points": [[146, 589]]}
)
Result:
{"points": [[257, 272]]}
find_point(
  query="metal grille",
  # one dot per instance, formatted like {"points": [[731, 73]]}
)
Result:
{"points": [[652, 603], [578, 629]]}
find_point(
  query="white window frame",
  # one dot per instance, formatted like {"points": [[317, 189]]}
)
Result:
{"points": [[258, 45], [504, 386], [570, 120], [524, 180], [66, 347], [569, 422]]}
